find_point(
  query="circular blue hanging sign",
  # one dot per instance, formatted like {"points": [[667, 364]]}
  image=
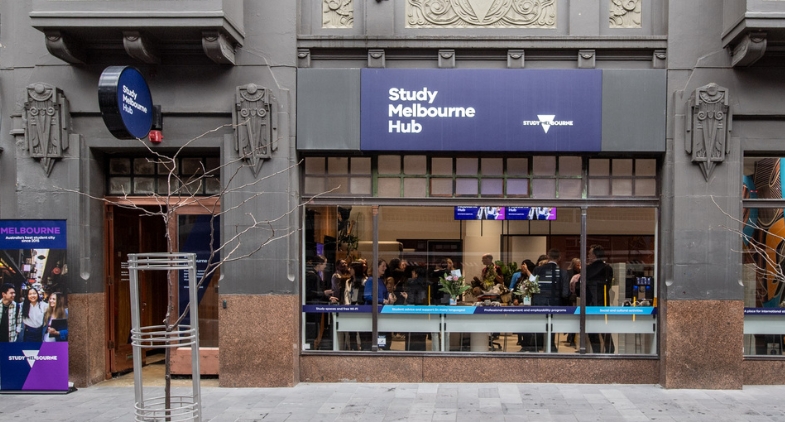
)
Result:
{"points": [[125, 102]]}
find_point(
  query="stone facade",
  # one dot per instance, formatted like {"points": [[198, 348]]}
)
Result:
{"points": [[56, 56]]}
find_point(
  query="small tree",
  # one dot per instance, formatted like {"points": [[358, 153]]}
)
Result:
{"points": [[763, 251], [182, 192]]}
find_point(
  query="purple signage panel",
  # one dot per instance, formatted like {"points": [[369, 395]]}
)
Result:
{"points": [[555, 110], [479, 213], [34, 366], [34, 357], [531, 213], [43, 234]]}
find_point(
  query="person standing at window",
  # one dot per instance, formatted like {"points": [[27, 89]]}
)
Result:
{"points": [[552, 280], [382, 296], [315, 289], [338, 280], [598, 281], [492, 278]]}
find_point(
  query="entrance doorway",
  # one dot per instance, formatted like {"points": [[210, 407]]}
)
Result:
{"points": [[129, 231]]}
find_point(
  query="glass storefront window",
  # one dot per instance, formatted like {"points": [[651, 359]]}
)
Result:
{"points": [[483, 247], [540, 177], [762, 233]]}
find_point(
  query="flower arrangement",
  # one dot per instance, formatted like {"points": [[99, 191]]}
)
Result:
{"points": [[453, 285], [490, 277], [527, 287]]}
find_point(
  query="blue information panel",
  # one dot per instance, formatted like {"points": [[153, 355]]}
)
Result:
{"points": [[125, 102], [475, 310], [195, 235], [481, 110]]}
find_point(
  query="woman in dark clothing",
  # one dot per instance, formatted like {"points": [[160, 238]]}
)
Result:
{"points": [[397, 282], [598, 280], [315, 289]]}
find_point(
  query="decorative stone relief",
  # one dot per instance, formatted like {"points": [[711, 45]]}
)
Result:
{"points": [[480, 13], [586, 59], [749, 50], [337, 14], [658, 59], [376, 57], [255, 125], [303, 57], [707, 127], [44, 119], [515, 59], [625, 13], [446, 59]]}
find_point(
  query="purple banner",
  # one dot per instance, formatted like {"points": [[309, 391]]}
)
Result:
{"points": [[34, 366], [34, 357], [21, 234], [481, 110]]}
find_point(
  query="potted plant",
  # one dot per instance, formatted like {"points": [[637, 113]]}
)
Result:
{"points": [[453, 286], [526, 288]]}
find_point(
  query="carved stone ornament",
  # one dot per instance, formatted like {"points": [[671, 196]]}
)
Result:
{"points": [[337, 14], [480, 13], [749, 50], [255, 125], [625, 13], [376, 58], [515, 59], [446, 59], [586, 59], [707, 127], [45, 116]]}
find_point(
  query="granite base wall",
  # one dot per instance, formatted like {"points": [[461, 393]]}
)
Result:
{"points": [[703, 346], [583, 370], [86, 338], [259, 341]]}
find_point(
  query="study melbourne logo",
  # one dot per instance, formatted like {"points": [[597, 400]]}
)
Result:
{"points": [[546, 121]]}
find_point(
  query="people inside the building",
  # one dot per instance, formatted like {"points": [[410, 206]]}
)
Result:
{"points": [[33, 310], [56, 318], [598, 280], [382, 294], [542, 260], [552, 280], [316, 291], [523, 273], [418, 285], [385, 339], [492, 280], [339, 278], [396, 282], [356, 286], [446, 267], [9, 314], [574, 275]]}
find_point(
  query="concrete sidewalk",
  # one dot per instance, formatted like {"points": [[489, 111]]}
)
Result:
{"points": [[422, 402]]}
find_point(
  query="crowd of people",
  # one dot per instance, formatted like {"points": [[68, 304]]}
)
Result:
{"points": [[38, 317], [403, 283]]}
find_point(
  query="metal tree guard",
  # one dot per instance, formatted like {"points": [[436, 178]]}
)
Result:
{"points": [[182, 407]]}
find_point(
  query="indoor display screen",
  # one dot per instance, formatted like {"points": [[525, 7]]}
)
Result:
{"points": [[480, 213], [531, 213], [505, 213]]}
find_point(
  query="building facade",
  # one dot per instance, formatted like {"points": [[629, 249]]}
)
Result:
{"points": [[416, 132]]}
